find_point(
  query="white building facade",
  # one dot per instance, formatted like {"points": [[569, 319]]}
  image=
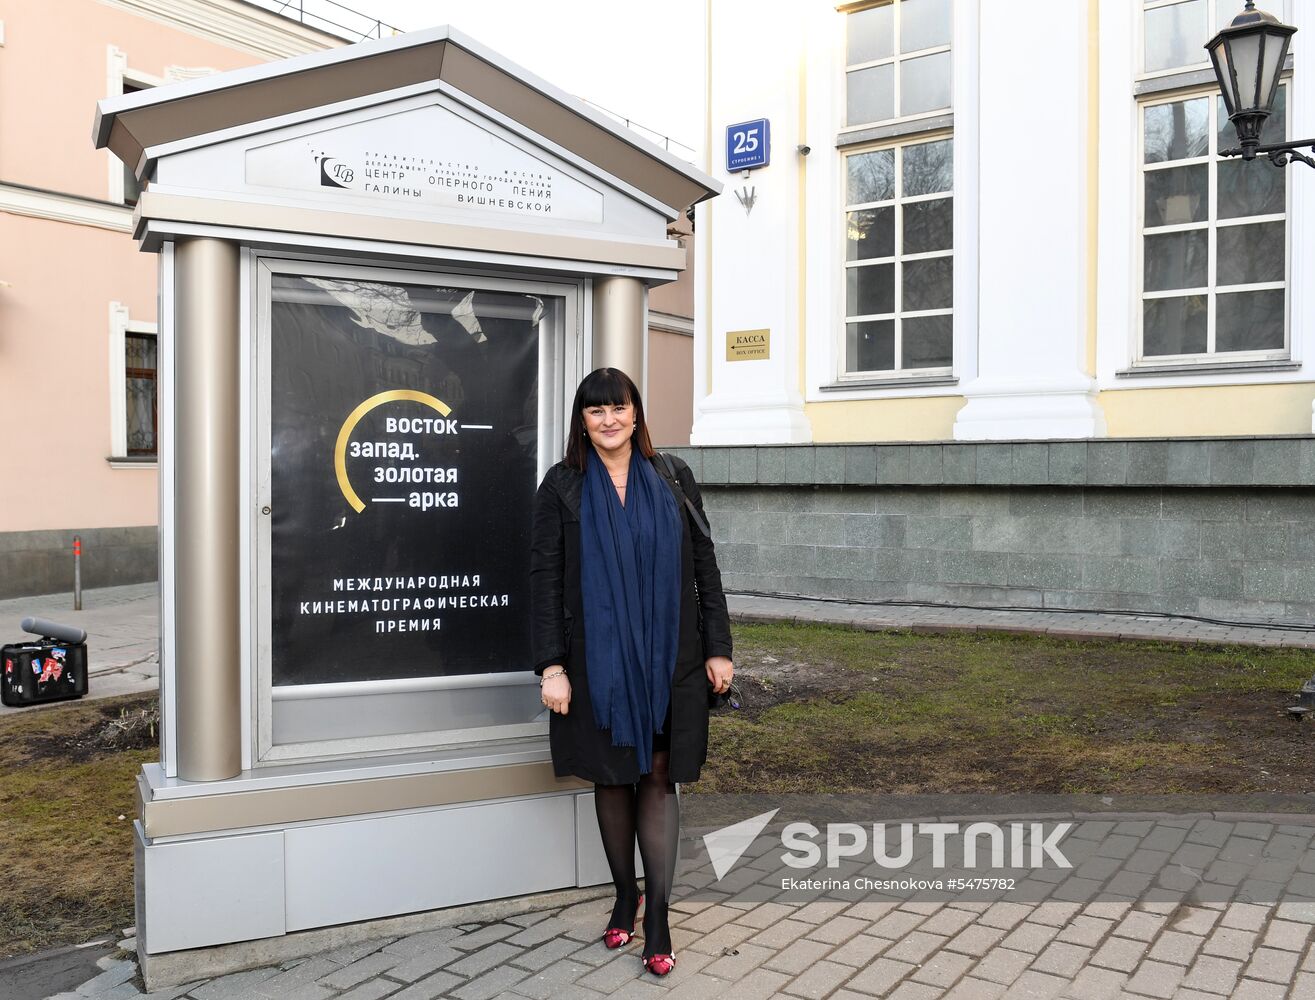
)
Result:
{"points": [[997, 325], [985, 224]]}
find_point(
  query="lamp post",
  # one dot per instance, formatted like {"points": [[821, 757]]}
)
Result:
{"points": [[1248, 59]]}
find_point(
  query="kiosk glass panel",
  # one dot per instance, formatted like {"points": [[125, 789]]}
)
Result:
{"points": [[404, 447]]}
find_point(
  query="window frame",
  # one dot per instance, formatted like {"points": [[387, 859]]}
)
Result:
{"points": [[121, 325], [1121, 87], [153, 375], [895, 59], [844, 377], [822, 305], [1211, 225]]}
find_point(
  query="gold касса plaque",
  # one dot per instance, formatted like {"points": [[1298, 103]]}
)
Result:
{"points": [[748, 345]]}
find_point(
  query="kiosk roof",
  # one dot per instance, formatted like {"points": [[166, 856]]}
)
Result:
{"points": [[134, 123]]}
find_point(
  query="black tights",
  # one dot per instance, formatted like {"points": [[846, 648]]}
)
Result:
{"points": [[647, 812]]}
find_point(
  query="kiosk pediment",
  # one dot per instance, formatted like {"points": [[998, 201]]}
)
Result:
{"points": [[487, 100], [429, 158]]}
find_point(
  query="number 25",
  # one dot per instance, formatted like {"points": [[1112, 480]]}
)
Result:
{"points": [[746, 142]]}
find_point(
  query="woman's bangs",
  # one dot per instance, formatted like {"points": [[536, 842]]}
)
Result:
{"points": [[604, 388]]}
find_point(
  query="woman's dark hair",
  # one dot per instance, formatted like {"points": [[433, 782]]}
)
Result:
{"points": [[604, 387]]}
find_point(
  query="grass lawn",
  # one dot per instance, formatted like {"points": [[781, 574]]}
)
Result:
{"points": [[832, 709], [827, 710], [67, 798]]}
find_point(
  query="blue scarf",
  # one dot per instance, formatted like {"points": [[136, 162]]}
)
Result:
{"points": [[630, 583]]}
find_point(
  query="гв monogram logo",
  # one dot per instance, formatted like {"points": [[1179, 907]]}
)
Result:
{"points": [[334, 173]]}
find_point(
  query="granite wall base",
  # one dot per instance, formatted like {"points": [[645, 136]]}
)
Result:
{"points": [[41, 562], [1221, 527], [1233, 553]]}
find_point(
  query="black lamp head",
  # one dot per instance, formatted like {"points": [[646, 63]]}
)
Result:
{"points": [[1248, 58]]}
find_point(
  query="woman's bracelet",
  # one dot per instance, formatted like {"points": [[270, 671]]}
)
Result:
{"points": [[544, 677]]}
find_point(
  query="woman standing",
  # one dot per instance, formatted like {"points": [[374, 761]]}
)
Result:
{"points": [[630, 634]]}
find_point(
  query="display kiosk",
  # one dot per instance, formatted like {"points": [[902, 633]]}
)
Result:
{"points": [[383, 270]]}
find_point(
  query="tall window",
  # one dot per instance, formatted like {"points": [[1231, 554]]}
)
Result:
{"points": [[1213, 236], [899, 203], [899, 261], [141, 396]]}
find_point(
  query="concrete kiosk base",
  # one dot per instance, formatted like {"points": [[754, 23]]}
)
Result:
{"points": [[243, 898]]}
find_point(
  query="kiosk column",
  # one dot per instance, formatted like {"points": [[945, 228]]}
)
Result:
{"points": [[619, 325], [206, 509]]}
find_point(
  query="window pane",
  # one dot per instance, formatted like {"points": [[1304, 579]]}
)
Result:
{"points": [[870, 34], [1249, 321], [139, 359], [139, 352], [928, 284], [1258, 187], [928, 168], [1225, 12], [870, 347], [928, 342], [925, 84], [1176, 35], [1276, 125], [929, 226], [1174, 326], [1177, 131], [1177, 195], [871, 177], [870, 233], [141, 416], [924, 24], [1176, 260], [870, 95], [1255, 188], [870, 290], [1248, 254]]}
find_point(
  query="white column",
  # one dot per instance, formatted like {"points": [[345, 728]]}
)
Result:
{"points": [[751, 266], [1036, 235]]}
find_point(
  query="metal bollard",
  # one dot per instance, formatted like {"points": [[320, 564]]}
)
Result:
{"points": [[77, 572]]}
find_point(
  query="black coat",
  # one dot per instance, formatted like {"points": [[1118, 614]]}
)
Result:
{"points": [[579, 747]]}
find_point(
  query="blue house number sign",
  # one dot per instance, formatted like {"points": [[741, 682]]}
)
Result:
{"points": [[748, 145]]}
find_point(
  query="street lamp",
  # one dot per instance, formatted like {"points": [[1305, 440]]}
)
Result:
{"points": [[1248, 58]]}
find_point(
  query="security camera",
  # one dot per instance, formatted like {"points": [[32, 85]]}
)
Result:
{"points": [[804, 150]]}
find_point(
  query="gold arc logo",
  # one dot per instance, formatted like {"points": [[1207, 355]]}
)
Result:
{"points": [[353, 418]]}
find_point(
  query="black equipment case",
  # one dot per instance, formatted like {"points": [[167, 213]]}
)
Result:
{"points": [[42, 670]]}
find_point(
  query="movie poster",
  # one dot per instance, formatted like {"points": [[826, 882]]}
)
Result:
{"points": [[404, 435]]}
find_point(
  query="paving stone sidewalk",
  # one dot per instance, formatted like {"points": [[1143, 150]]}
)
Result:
{"points": [[1176, 947]]}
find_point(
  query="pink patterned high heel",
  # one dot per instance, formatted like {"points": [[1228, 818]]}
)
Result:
{"points": [[617, 937], [660, 965]]}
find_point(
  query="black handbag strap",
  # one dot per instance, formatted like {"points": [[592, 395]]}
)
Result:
{"points": [[662, 462]]}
